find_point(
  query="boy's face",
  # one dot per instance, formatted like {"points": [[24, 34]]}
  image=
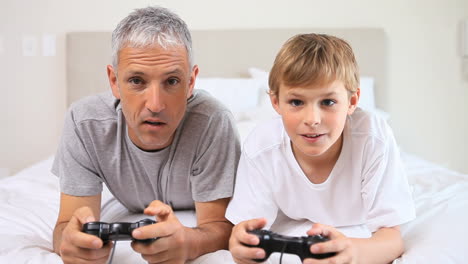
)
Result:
{"points": [[153, 85], [314, 116]]}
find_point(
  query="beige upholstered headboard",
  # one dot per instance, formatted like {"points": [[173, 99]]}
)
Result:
{"points": [[223, 53]]}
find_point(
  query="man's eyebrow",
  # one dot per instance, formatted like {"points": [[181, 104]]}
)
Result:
{"points": [[176, 71], [136, 73]]}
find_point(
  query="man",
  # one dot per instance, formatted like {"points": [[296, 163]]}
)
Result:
{"points": [[156, 143]]}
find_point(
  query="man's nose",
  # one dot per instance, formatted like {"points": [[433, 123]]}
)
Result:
{"points": [[155, 99]]}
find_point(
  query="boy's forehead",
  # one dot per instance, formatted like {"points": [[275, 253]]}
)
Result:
{"points": [[334, 85]]}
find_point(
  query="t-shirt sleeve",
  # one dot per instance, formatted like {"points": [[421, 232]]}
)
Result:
{"points": [[386, 192], [213, 172], [73, 165], [252, 195]]}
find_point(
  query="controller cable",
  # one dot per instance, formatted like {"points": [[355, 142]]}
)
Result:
{"points": [[282, 252], [112, 252]]}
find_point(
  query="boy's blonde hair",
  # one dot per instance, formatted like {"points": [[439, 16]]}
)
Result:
{"points": [[308, 59]]}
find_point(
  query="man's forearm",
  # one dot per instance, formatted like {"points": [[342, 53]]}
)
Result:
{"points": [[208, 237], [58, 236], [384, 246]]}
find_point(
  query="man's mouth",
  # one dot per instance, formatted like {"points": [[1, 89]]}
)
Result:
{"points": [[154, 123]]}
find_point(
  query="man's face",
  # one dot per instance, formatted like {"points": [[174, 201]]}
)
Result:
{"points": [[314, 116], [153, 85]]}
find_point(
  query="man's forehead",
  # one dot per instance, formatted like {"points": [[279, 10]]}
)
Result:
{"points": [[176, 52], [173, 57]]}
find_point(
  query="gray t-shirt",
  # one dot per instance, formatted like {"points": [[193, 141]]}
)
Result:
{"points": [[199, 165]]}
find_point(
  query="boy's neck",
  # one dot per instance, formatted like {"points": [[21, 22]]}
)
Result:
{"points": [[318, 169]]}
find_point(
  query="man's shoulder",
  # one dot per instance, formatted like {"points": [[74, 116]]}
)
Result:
{"points": [[267, 137], [204, 104], [102, 106]]}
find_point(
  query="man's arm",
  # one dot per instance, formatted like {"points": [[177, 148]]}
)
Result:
{"points": [[68, 207], [213, 229], [177, 243]]}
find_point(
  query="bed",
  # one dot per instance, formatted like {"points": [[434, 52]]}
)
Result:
{"points": [[233, 60]]}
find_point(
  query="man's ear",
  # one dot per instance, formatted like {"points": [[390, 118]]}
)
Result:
{"points": [[274, 102], [112, 76], [193, 78], [353, 101]]}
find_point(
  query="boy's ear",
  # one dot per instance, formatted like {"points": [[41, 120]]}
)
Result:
{"points": [[112, 76], [353, 101], [274, 102]]}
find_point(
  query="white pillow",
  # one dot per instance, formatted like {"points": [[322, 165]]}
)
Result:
{"points": [[240, 95]]}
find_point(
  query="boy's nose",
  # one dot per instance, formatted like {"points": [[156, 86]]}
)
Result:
{"points": [[312, 117], [154, 99]]}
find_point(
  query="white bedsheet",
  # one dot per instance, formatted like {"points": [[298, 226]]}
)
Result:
{"points": [[29, 204]]}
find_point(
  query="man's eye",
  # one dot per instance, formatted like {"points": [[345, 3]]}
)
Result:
{"points": [[296, 102], [135, 81], [328, 102], [172, 81]]}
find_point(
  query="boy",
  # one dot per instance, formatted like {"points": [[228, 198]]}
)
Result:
{"points": [[325, 163]]}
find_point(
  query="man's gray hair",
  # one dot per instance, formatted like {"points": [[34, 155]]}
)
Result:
{"points": [[148, 26]]}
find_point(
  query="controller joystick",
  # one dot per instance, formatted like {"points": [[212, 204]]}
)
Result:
{"points": [[117, 231], [300, 246]]}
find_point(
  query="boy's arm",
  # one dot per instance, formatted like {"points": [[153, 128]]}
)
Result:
{"points": [[384, 246]]}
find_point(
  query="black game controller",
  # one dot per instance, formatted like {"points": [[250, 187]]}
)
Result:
{"points": [[117, 231], [272, 242]]}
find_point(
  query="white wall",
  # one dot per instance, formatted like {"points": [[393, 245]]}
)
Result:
{"points": [[428, 96]]}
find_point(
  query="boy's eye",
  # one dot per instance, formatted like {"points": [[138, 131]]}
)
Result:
{"points": [[295, 102], [328, 102], [172, 81]]}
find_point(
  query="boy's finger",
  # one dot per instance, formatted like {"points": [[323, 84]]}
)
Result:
{"points": [[256, 223]]}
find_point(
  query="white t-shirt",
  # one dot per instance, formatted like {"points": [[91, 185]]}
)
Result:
{"points": [[366, 190]]}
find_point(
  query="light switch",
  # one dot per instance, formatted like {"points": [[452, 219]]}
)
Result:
{"points": [[29, 45], [2, 46], [465, 39], [48, 45]]}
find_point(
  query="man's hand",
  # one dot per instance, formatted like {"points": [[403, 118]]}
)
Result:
{"points": [[79, 247], [239, 236], [170, 247], [345, 248]]}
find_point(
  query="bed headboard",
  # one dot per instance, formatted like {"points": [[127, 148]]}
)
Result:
{"points": [[223, 53]]}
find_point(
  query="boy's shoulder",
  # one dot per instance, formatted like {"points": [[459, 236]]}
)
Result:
{"points": [[266, 136], [366, 123]]}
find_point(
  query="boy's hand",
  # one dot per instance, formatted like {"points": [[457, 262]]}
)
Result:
{"points": [[171, 246], [343, 246], [79, 247], [239, 236]]}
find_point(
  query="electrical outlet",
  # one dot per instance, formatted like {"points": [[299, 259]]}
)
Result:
{"points": [[29, 45]]}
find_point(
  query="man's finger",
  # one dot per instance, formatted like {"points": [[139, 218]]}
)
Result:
{"points": [[84, 240], [157, 208], [84, 215], [160, 229]]}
